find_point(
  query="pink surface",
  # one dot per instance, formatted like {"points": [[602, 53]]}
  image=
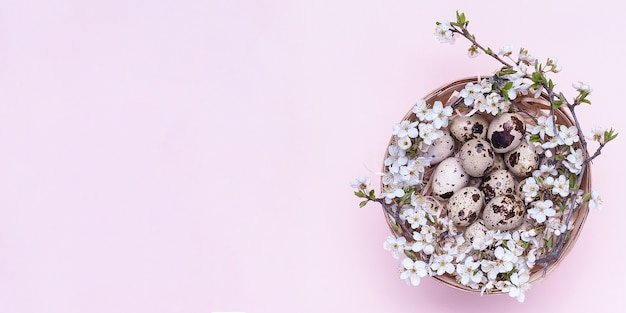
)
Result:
{"points": [[194, 156]]}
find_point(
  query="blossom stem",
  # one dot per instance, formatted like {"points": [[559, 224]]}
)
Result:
{"points": [[396, 216], [471, 38]]}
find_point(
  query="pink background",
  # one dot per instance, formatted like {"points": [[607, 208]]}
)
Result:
{"points": [[195, 156]]}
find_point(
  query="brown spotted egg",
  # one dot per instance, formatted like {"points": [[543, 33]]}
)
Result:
{"points": [[465, 128], [464, 206], [497, 183], [498, 164], [448, 177], [504, 212], [506, 132], [477, 157], [440, 149], [476, 233], [522, 161]]}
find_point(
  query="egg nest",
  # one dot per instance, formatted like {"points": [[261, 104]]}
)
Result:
{"points": [[480, 223]]}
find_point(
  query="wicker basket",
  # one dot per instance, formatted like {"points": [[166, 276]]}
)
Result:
{"points": [[534, 107]]}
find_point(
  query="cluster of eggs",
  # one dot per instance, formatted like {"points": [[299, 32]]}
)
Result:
{"points": [[479, 179]]}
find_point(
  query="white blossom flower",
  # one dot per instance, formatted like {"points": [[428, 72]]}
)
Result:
{"points": [[395, 245], [529, 235], [526, 58], [549, 169], [442, 264], [423, 242], [595, 202], [530, 258], [428, 133], [406, 128], [552, 143], [485, 86], [361, 183], [560, 186], [544, 126], [519, 285], [493, 104], [397, 157], [392, 194], [440, 115], [405, 143], [504, 259], [506, 51], [443, 32], [417, 218], [491, 268], [529, 189], [469, 270], [554, 65], [413, 271], [470, 92], [412, 172], [582, 87], [541, 210], [574, 160], [597, 134], [568, 135], [555, 226], [421, 110]]}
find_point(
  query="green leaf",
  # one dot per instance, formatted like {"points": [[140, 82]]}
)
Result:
{"points": [[550, 84], [610, 135], [572, 182], [372, 195], [550, 242], [586, 196], [557, 104], [363, 203], [534, 138], [489, 51], [411, 255], [396, 227], [537, 77], [561, 206], [359, 194]]}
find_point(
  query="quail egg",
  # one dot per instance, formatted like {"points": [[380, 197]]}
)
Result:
{"points": [[440, 149], [448, 177], [506, 132], [504, 212], [465, 205], [465, 128], [497, 183], [476, 233], [477, 157], [522, 161]]}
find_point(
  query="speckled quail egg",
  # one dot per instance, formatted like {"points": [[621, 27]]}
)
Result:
{"points": [[504, 212], [476, 233], [464, 206], [522, 161], [465, 128], [440, 149], [497, 183], [506, 132], [448, 177], [498, 164], [477, 157]]}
